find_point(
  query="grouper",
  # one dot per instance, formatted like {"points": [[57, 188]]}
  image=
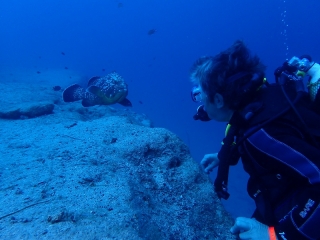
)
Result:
{"points": [[106, 90]]}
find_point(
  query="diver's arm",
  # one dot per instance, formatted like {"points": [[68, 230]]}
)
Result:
{"points": [[302, 222], [297, 160], [287, 155]]}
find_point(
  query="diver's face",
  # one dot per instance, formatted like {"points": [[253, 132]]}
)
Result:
{"points": [[216, 110]]}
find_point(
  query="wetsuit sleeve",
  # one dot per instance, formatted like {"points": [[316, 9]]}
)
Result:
{"points": [[294, 158], [288, 154]]}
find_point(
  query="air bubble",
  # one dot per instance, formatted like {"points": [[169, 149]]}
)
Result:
{"points": [[284, 29]]}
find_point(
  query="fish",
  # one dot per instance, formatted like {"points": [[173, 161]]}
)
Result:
{"points": [[56, 88], [106, 90], [152, 31]]}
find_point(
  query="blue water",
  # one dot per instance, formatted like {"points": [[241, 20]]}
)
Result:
{"points": [[89, 36]]}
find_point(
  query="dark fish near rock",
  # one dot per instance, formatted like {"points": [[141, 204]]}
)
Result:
{"points": [[106, 90], [56, 88]]}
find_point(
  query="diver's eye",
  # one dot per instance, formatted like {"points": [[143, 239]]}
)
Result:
{"points": [[197, 97], [196, 94]]}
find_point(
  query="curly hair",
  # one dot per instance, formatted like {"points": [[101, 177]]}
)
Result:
{"points": [[213, 74]]}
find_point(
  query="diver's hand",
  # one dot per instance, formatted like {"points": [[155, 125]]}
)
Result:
{"points": [[250, 228], [209, 162]]}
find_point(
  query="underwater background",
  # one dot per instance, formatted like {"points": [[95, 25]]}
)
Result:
{"points": [[152, 44]]}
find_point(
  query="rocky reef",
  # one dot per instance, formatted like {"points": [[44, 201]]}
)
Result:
{"points": [[102, 173]]}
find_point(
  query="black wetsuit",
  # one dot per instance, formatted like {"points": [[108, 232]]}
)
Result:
{"points": [[283, 161]]}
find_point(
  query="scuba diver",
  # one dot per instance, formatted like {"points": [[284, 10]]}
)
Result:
{"points": [[274, 128]]}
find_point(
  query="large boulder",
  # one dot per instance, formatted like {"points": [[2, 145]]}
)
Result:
{"points": [[108, 178], [26, 110], [25, 100]]}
